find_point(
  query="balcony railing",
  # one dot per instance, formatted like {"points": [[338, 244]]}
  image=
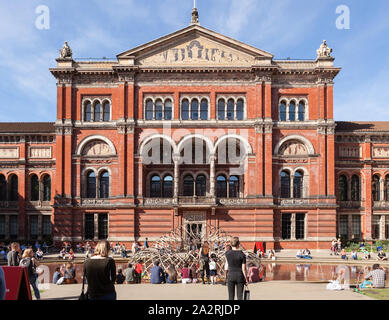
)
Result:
{"points": [[196, 200], [381, 204], [157, 202], [350, 204], [38, 204], [8, 204], [232, 201]]}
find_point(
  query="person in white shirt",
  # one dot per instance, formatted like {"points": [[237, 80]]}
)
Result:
{"points": [[212, 270], [299, 254]]}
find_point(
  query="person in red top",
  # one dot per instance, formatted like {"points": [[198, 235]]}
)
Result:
{"points": [[186, 274], [139, 270], [253, 273]]}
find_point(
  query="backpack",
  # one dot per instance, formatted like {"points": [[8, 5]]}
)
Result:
{"points": [[27, 263]]}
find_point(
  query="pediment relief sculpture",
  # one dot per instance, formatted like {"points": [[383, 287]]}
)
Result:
{"points": [[97, 148], [293, 148]]}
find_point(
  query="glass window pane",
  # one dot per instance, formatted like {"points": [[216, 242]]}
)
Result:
{"points": [[240, 110], [149, 110], [283, 111], [185, 109], [292, 111], [46, 188], [91, 185], [104, 185], [343, 226], [343, 188], [301, 111], [13, 227], [155, 187], [298, 185], [355, 188], [221, 187], [230, 109], [89, 231], [168, 186], [204, 109], [14, 195], [3, 188], [103, 226], [356, 226], [286, 226], [33, 226], [234, 187], [158, 110], [168, 110], [201, 184], [376, 188], [88, 112], [34, 188], [97, 112], [221, 106], [300, 226], [188, 185], [2, 227], [194, 109], [46, 226], [107, 112], [285, 184]]}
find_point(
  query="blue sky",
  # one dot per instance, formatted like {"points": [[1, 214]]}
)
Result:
{"points": [[100, 28]]}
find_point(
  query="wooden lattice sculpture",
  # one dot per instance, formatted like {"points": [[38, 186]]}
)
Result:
{"points": [[182, 245]]}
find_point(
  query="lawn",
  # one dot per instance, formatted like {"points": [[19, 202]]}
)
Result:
{"points": [[379, 294]]}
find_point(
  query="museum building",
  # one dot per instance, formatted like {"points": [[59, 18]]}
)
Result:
{"points": [[195, 130]]}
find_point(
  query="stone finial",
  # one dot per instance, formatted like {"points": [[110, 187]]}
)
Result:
{"points": [[66, 52], [324, 51]]}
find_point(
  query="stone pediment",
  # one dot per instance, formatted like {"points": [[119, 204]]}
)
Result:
{"points": [[195, 46]]}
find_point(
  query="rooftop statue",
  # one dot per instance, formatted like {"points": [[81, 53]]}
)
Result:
{"points": [[66, 52], [324, 50]]}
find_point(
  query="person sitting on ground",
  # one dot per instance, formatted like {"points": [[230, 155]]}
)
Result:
{"points": [[299, 254], [367, 254], [70, 274], [171, 274], [194, 273], [307, 254], [57, 275], [130, 274], [123, 251], [186, 273], [272, 255], [62, 254], [354, 255], [120, 277], [156, 274], [343, 254], [381, 256], [71, 255], [378, 276], [39, 254], [213, 269], [253, 274]]}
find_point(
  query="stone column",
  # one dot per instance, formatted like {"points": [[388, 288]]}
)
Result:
{"points": [[382, 227], [212, 159], [382, 198], [291, 186], [293, 227]]}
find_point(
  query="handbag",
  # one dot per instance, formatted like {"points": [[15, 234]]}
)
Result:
{"points": [[84, 295], [246, 293]]}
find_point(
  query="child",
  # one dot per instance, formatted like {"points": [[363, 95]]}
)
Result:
{"points": [[120, 277], [212, 270]]}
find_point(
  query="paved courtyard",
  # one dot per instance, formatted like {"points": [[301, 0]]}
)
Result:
{"points": [[271, 290]]}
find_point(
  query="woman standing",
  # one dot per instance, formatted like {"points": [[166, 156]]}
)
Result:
{"points": [[100, 272], [204, 255], [30, 263], [237, 276]]}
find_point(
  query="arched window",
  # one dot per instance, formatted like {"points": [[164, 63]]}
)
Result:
{"points": [[376, 188], [104, 185], [91, 185], [201, 185], [155, 187], [292, 111], [240, 110], [283, 111], [285, 184], [3, 188], [149, 110], [355, 188], [221, 187], [168, 109], [158, 110], [204, 109], [221, 109], [34, 188], [298, 185], [387, 188], [194, 113], [46, 182], [107, 111], [97, 115], [88, 111], [343, 188], [167, 188], [301, 111], [185, 109], [233, 187], [13, 191], [188, 185], [230, 109]]}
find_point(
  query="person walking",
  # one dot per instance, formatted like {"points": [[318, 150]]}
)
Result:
{"points": [[28, 261], [13, 256], [237, 274], [100, 273]]}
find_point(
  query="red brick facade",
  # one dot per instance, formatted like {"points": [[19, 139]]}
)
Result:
{"points": [[306, 147]]}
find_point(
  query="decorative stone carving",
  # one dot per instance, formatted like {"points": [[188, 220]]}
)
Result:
{"points": [[324, 50], [39, 152], [294, 202], [157, 202], [194, 217], [9, 152], [94, 202], [66, 52], [293, 148], [350, 152], [231, 202], [381, 152], [96, 148], [199, 52]]}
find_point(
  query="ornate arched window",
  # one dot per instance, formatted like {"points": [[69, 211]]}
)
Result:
{"points": [[106, 112], [221, 109], [88, 111], [155, 187], [387, 188], [283, 111], [13, 190], [233, 187], [204, 109], [201, 186], [240, 109], [149, 110], [194, 110], [104, 185], [343, 188], [188, 185], [3, 188], [375, 187], [46, 183], [292, 111], [298, 184], [301, 111], [355, 188], [285, 184], [34, 188], [167, 188], [230, 109], [168, 109], [185, 109], [97, 112], [91, 185], [158, 110], [221, 187]]}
